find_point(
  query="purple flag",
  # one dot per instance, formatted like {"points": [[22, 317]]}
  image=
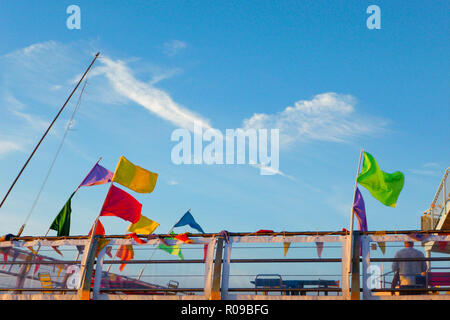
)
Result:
{"points": [[360, 210], [97, 175]]}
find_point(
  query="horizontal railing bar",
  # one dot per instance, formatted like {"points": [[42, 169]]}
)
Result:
{"points": [[284, 260], [152, 290], [412, 289], [232, 234], [38, 289], [285, 289], [39, 262], [409, 259], [152, 261]]}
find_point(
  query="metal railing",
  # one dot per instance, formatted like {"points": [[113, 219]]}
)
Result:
{"points": [[439, 206], [286, 265]]}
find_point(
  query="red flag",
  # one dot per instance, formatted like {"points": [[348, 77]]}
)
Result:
{"points": [[120, 204], [442, 245], [125, 252], [264, 231], [36, 268], [99, 230], [57, 250], [136, 238], [183, 237], [205, 252]]}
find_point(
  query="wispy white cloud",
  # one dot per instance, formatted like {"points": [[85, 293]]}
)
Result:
{"points": [[427, 169], [155, 100], [9, 146], [326, 117], [173, 47], [172, 182]]}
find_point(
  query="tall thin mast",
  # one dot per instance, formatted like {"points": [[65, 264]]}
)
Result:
{"points": [[48, 129]]}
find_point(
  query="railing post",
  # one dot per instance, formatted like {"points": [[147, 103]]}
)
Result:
{"points": [[367, 293], [98, 274], [226, 270], [209, 266], [355, 282], [87, 265], [344, 263], [215, 290]]}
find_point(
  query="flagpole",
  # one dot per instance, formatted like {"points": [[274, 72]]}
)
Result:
{"points": [[45, 134], [352, 213]]}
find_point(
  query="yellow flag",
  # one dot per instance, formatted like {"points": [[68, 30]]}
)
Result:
{"points": [[143, 226], [134, 177], [381, 244]]}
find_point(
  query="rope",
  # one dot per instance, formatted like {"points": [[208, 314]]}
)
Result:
{"points": [[56, 156]]}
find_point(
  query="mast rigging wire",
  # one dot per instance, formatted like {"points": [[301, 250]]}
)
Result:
{"points": [[69, 124]]}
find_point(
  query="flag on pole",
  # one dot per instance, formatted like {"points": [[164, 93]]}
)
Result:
{"points": [[188, 219], [382, 186], [143, 226], [120, 204], [360, 210], [134, 177], [61, 224], [97, 175]]}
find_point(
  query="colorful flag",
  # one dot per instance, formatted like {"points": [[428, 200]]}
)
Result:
{"points": [[319, 247], [57, 250], [120, 204], [381, 244], [188, 219], [97, 175], [61, 224], [134, 177], [37, 265], [382, 186], [102, 242], [442, 245], [360, 210], [99, 230], [183, 238], [286, 246], [143, 226], [136, 238], [174, 250], [125, 253]]}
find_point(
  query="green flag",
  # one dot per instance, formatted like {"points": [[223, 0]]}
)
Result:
{"points": [[61, 224], [382, 186], [174, 250]]}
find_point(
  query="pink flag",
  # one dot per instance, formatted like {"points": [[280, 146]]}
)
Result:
{"points": [[319, 246]]}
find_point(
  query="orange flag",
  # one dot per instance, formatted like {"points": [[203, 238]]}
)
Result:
{"points": [[125, 252]]}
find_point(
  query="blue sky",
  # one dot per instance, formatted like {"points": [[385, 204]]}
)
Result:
{"points": [[224, 62]]}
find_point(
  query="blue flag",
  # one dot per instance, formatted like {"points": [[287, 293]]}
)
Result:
{"points": [[188, 219]]}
